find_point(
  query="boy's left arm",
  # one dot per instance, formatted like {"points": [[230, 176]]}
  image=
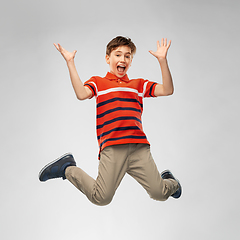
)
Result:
{"points": [[166, 88]]}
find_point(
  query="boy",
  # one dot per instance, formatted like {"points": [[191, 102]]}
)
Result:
{"points": [[123, 145]]}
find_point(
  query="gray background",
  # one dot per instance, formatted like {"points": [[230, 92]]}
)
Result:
{"points": [[194, 132]]}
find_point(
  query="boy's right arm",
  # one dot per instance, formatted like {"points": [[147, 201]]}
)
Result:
{"points": [[81, 91]]}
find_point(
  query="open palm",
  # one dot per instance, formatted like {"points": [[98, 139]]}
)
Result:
{"points": [[162, 49], [68, 56]]}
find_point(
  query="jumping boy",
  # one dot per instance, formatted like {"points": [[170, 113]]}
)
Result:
{"points": [[123, 145]]}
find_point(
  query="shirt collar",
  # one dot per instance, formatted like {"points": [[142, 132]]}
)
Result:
{"points": [[111, 76]]}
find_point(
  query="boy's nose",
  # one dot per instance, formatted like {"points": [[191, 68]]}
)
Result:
{"points": [[122, 59]]}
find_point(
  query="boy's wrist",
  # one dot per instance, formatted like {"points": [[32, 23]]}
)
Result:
{"points": [[70, 62], [162, 59]]}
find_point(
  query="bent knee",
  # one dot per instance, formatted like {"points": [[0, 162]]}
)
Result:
{"points": [[102, 200]]}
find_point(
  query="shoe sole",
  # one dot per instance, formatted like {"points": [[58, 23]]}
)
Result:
{"points": [[54, 161]]}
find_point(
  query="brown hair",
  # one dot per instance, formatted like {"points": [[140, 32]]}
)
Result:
{"points": [[120, 41]]}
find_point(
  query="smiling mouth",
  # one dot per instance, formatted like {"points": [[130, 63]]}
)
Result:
{"points": [[121, 68]]}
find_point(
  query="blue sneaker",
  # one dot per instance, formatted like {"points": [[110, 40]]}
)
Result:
{"points": [[56, 168], [166, 175]]}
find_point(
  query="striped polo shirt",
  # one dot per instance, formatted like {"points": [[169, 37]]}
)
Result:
{"points": [[119, 103]]}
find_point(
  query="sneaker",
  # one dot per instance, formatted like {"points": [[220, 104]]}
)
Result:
{"points": [[166, 175], [56, 168]]}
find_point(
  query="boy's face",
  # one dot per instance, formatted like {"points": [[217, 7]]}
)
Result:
{"points": [[119, 61]]}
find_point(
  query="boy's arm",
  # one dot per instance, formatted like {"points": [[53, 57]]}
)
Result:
{"points": [[166, 88], [81, 91]]}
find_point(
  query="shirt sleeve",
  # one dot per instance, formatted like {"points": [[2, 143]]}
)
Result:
{"points": [[149, 88], [92, 85]]}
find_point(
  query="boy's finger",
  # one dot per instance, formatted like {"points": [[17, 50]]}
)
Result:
{"points": [[165, 42], [60, 47], [151, 52], [56, 46], [169, 43], [162, 41]]}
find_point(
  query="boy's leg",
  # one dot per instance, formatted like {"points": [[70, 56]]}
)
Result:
{"points": [[143, 168], [111, 170]]}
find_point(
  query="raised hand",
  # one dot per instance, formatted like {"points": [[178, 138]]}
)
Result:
{"points": [[162, 49], [68, 56]]}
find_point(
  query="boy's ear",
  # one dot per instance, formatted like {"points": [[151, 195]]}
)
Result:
{"points": [[107, 59]]}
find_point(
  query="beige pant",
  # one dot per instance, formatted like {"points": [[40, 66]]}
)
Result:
{"points": [[115, 161]]}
